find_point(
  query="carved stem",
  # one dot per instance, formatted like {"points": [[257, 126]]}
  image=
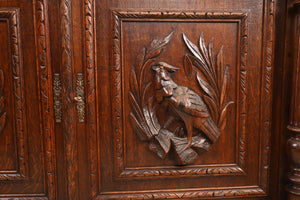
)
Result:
{"points": [[294, 141]]}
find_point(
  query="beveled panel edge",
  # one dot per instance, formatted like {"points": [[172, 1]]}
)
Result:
{"points": [[197, 193], [13, 15]]}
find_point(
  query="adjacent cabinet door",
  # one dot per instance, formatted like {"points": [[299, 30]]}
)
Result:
{"points": [[149, 99]]}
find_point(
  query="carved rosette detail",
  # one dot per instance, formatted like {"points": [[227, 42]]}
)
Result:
{"points": [[208, 113]]}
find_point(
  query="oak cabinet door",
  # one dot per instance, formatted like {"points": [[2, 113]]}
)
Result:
{"points": [[27, 164], [183, 98]]}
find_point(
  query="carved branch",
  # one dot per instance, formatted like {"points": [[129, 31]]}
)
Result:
{"points": [[212, 76]]}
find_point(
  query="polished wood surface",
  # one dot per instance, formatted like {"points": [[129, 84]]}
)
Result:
{"points": [[143, 99], [293, 143]]}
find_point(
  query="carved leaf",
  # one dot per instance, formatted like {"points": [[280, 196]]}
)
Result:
{"points": [[140, 60], [224, 90], [212, 77], [204, 52], [213, 110], [155, 47], [224, 115], [142, 116], [211, 55], [220, 65], [152, 115], [205, 74], [136, 109], [138, 129], [188, 67], [207, 88], [193, 48], [133, 83], [204, 71]]}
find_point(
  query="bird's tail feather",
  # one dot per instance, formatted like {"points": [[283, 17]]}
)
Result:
{"points": [[210, 129]]}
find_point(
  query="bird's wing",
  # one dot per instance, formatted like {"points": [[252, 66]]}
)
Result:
{"points": [[192, 104]]}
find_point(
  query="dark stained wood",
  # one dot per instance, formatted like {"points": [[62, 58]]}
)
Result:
{"points": [[27, 142], [293, 142], [136, 169], [122, 120], [69, 114]]}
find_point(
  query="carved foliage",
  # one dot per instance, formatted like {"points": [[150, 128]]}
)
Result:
{"points": [[212, 76], [117, 17], [143, 117]]}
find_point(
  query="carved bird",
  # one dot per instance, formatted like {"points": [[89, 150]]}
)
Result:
{"points": [[186, 103]]}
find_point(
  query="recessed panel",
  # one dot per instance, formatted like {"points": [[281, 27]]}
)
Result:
{"points": [[185, 89]]}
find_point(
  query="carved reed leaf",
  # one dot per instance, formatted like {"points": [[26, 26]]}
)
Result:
{"points": [[213, 78], [134, 84], [188, 67], [142, 117], [155, 47], [225, 114], [219, 64], [206, 87], [2, 111]]}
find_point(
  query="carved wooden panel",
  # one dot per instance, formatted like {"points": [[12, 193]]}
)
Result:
{"points": [[228, 168], [27, 165], [12, 122], [177, 62]]}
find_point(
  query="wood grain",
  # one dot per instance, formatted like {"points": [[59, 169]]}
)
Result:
{"points": [[69, 115], [45, 94], [12, 15]]}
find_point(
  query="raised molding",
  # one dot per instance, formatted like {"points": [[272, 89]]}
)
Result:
{"points": [[69, 115], [45, 94], [118, 17], [266, 93], [90, 68], [12, 17], [249, 191], [194, 170]]}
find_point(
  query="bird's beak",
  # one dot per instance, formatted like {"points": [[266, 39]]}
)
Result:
{"points": [[155, 67], [168, 67]]}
